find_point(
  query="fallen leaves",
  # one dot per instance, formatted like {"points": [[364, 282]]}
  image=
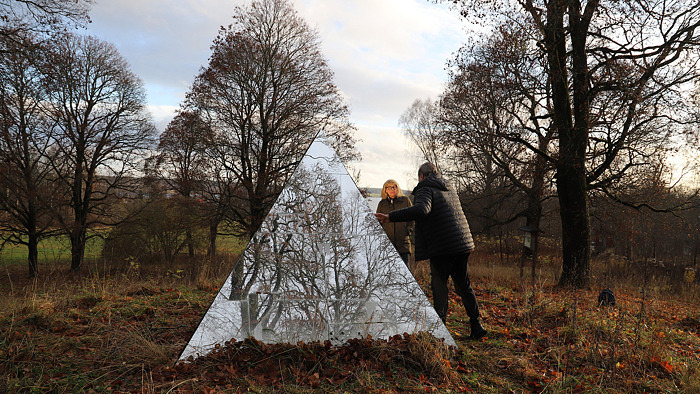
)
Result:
{"points": [[311, 365], [554, 343]]}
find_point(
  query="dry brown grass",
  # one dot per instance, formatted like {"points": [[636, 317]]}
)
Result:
{"points": [[122, 330], [432, 356]]}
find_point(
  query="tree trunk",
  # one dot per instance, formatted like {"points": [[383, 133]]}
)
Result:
{"points": [[571, 169], [257, 215], [77, 247], [189, 240], [213, 232], [33, 255], [33, 239], [534, 203], [571, 186], [533, 221], [77, 232]]}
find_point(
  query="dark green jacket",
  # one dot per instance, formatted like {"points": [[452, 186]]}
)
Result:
{"points": [[399, 233]]}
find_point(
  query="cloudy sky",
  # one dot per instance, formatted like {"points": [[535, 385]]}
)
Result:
{"points": [[385, 54]]}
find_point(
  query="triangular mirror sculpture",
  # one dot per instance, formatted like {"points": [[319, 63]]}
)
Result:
{"points": [[320, 268]]}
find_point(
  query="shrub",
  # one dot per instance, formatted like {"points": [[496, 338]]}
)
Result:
{"points": [[157, 231]]}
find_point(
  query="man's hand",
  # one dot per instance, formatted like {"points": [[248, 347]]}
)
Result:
{"points": [[382, 217]]}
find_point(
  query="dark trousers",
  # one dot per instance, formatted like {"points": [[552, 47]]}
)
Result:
{"points": [[455, 266], [404, 257]]}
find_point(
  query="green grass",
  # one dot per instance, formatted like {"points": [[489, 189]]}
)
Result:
{"points": [[50, 250], [231, 244], [56, 250]]}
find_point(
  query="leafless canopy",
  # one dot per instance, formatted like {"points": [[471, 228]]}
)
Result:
{"points": [[620, 76], [19, 18], [267, 91], [100, 131], [24, 136]]}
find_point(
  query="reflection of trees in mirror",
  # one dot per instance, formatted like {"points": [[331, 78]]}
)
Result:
{"points": [[319, 268], [278, 257], [318, 246]]}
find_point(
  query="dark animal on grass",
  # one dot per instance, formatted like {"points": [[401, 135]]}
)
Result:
{"points": [[606, 298]]}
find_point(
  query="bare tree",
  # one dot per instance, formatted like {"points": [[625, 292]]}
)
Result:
{"points": [[181, 162], [19, 18], [495, 99], [618, 73], [101, 129], [495, 111], [267, 91], [420, 124], [24, 137], [219, 192]]}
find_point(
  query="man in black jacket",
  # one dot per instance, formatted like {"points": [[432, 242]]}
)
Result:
{"points": [[443, 236]]}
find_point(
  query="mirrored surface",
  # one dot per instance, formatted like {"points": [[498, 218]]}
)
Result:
{"points": [[320, 268]]}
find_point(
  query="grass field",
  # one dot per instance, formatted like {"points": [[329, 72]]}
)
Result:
{"points": [[55, 250], [51, 251], [123, 332]]}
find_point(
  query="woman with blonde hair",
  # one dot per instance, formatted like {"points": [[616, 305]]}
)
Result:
{"points": [[399, 232]]}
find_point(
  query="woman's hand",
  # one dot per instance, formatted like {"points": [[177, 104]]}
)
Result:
{"points": [[382, 217]]}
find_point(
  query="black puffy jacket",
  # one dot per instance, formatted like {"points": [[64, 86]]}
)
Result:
{"points": [[441, 227]]}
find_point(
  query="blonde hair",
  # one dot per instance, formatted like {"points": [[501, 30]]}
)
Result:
{"points": [[391, 182]]}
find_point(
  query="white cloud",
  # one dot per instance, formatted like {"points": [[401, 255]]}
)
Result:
{"points": [[384, 31], [162, 113], [381, 95], [386, 155], [165, 42]]}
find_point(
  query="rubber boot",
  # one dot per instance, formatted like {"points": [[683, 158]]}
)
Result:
{"points": [[478, 331]]}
